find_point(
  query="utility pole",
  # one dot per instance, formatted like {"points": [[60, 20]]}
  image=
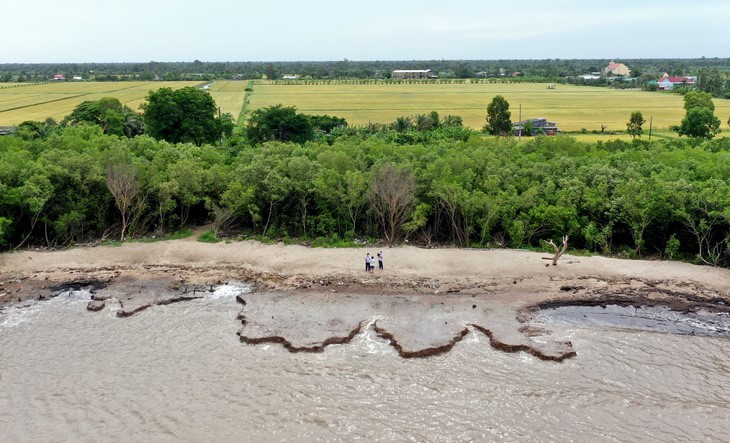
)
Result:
{"points": [[219, 118], [651, 117], [519, 137]]}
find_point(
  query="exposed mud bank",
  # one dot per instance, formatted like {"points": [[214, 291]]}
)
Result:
{"points": [[566, 352], [291, 348], [427, 352], [684, 299], [132, 295], [424, 303], [416, 326]]}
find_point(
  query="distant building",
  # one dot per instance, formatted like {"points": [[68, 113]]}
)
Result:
{"points": [[540, 126], [7, 130], [666, 83], [589, 77], [289, 77], [414, 73], [59, 77], [78, 78], [614, 68]]}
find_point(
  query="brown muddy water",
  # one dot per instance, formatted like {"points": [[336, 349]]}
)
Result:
{"points": [[179, 373]]}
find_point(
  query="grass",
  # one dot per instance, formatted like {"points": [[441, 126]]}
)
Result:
{"points": [[208, 237], [573, 107]]}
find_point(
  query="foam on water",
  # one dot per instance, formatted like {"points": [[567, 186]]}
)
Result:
{"points": [[19, 314], [227, 291]]}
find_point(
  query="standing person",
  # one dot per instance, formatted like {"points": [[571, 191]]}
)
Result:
{"points": [[380, 260], [367, 262], [372, 264]]}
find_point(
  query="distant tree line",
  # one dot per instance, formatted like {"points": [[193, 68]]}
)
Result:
{"points": [[547, 69]]}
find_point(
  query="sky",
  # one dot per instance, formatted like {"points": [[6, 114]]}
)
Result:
{"points": [[52, 31]]}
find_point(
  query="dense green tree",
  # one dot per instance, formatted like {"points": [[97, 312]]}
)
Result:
{"points": [[695, 99], [703, 207], [185, 115], [109, 113], [279, 123], [326, 123], [5, 224], [34, 130], [402, 124], [711, 81], [270, 71], [643, 201], [699, 123], [498, 117], [699, 120], [462, 70], [616, 196], [453, 121], [633, 127]]}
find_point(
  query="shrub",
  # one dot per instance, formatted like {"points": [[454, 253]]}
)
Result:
{"points": [[672, 248], [208, 237]]}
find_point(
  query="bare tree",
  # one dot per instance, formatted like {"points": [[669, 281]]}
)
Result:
{"points": [[391, 193], [558, 251], [121, 180]]}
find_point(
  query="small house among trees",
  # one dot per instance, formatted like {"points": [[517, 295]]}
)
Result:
{"points": [[535, 126], [7, 130], [414, 73]]}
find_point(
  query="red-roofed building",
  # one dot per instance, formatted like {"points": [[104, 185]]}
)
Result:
{"points": [[666, 82], [59, 77]]}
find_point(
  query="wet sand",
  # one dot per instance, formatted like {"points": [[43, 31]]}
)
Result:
{"points": [[424, 302]]}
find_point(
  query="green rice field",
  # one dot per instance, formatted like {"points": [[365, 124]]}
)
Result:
{"points": [[57, 100], [573, 108]]}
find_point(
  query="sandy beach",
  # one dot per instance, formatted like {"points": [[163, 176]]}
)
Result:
{"points": [[424, 301]]}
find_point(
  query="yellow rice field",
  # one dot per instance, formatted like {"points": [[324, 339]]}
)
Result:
{"points": [[228, 95], [56, 100], [572, 107]]}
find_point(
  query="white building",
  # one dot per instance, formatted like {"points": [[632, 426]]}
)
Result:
{"points": [[414, 73]]}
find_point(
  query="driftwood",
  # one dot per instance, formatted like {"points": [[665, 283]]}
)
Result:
{"points": [[558, 251]]}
